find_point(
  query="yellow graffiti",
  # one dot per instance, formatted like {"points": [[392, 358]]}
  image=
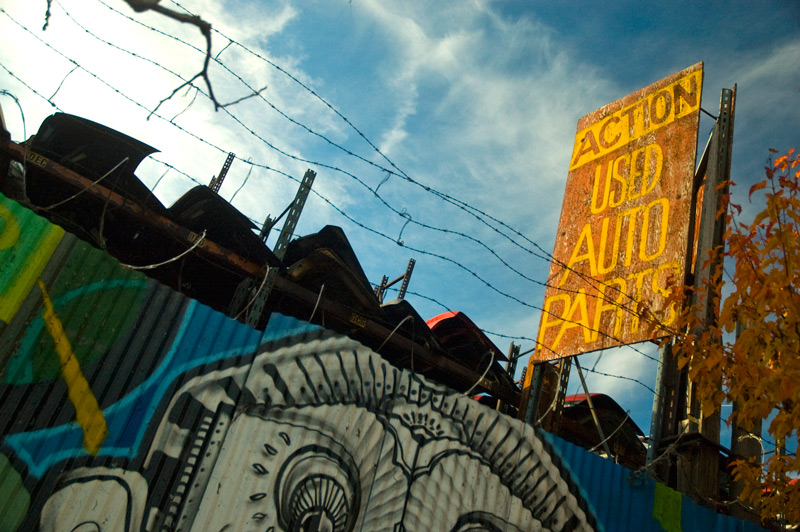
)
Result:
{"points": [[9, 231], [23, 275], [88, 413]]}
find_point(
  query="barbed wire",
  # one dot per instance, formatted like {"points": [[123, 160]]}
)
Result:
{"points": [[360, 181], [446, 259], [24, 84], [21, 112], [373, 191], [465, 206], [645, 315], [433, 300], [330, 203], [473, 211]]}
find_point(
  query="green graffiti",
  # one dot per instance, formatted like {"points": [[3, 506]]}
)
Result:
{"points": [[96, 299], [9, 229], [14, 498], [27, 242], [667, 507], [94, 316]]}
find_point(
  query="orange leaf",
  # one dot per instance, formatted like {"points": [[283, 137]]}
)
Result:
{"points": [[757, 186]]}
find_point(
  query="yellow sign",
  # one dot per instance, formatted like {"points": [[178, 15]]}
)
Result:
{"points": [[623, 233], [654, 111]]}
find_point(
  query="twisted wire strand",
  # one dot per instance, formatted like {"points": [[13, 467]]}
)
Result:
{"points": [[465, 206], [478, 214]]}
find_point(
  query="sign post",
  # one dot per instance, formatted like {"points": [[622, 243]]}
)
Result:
{"points": [[623, 235]]}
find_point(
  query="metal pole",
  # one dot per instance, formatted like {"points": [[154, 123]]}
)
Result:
{"points": [[534, 393], [711, 236], [659, 407], [295, 208], [670, 402], [216, 182], [591, 409], [698, 467], [511, 367]]}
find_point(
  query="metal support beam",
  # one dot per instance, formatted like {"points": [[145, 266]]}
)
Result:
{"points": [[513, 357], [592, 410], [659, 411], [296, 207], [553, 422], [269, 223], [669, 405], [380, 290], [294, 214], [511, 368], [675, 409], [534, 391], [406, 278], [216, 182], [530, 405], [711, 239]]}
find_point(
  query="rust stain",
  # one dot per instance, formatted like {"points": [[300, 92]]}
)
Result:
{"points": [[623, 233]]}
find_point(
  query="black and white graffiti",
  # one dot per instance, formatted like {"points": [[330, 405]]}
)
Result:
{"points": [[318, 433]]}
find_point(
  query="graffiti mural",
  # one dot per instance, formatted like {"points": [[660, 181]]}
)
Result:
{"points": [[125, 406], [321, 434]]}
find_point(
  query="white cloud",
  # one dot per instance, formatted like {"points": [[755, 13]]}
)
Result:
{"points": [[486, 114], [466, 98]]}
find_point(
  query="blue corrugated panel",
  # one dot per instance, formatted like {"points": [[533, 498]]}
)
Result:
{"points": [[624, 499]]}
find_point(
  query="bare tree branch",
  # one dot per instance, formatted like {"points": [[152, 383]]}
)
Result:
{"points": [[202, 25], [47, 15]]}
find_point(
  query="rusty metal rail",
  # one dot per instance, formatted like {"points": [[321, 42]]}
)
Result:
{"points": [[339, 316]]}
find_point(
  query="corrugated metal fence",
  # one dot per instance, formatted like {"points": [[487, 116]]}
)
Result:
{"points": [[126, 406]]}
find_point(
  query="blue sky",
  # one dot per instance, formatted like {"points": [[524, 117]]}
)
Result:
{"points": [[476, 99]]}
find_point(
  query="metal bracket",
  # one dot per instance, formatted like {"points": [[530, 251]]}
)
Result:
{"points": [[380, 290], [295, 208], [216, 182], [555, 418]]}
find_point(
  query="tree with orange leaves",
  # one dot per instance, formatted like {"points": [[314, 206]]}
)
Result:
{"points": [[760, 368]]}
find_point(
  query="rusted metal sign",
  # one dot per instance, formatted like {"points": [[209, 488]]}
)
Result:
{"points": [[622, 237]]}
